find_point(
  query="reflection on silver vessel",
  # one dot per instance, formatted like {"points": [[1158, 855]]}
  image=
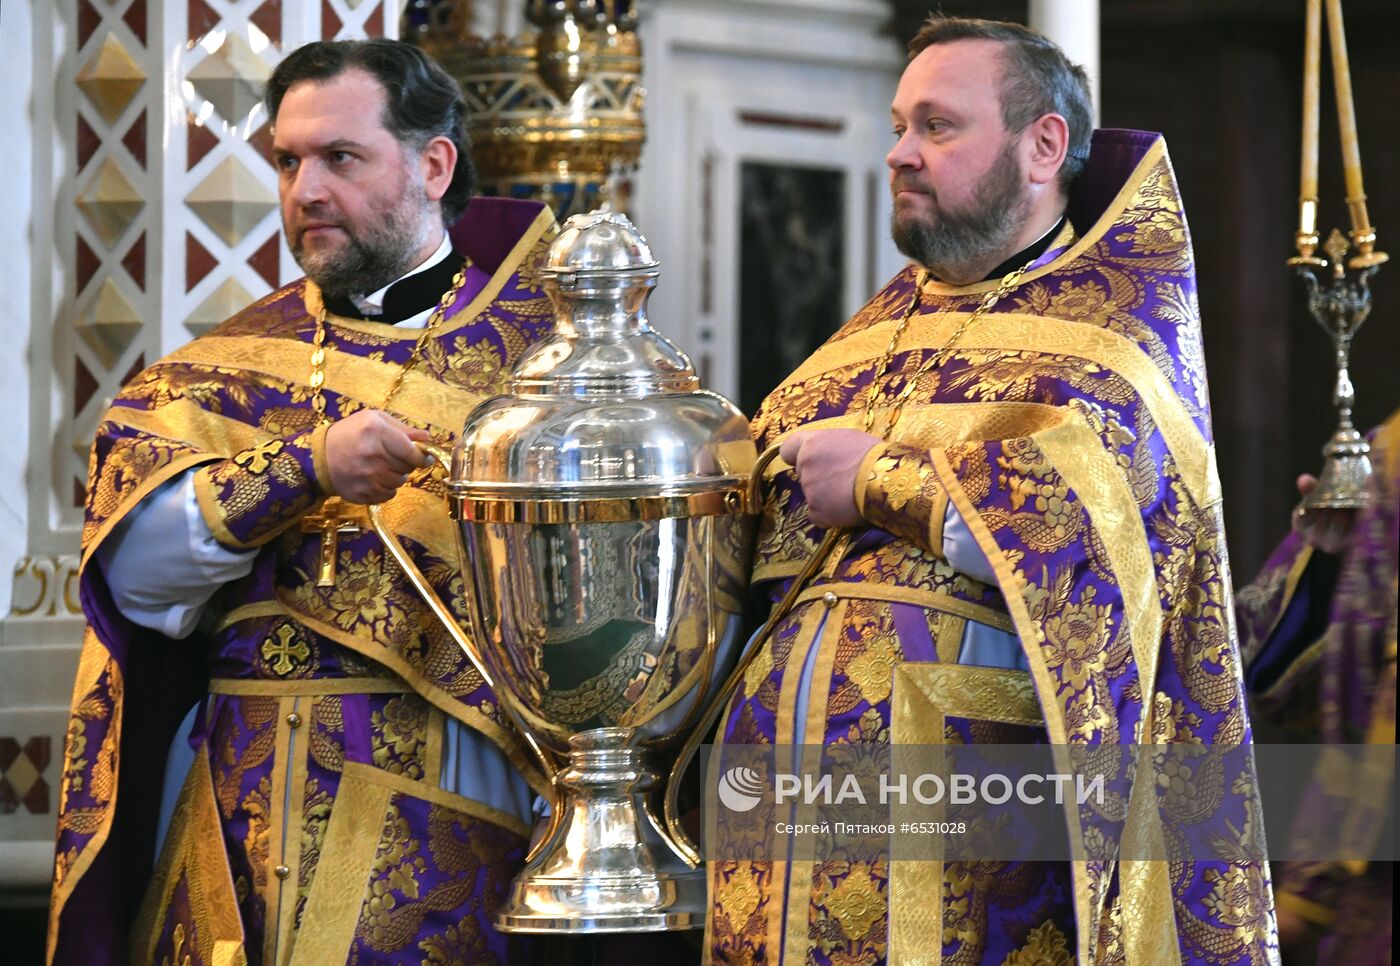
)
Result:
{"points": [[606, 518]]}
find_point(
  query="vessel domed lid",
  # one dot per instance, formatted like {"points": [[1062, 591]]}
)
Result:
{"points": [[599, 244]]}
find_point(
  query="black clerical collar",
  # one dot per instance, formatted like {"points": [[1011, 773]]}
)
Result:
{"points": [[408, 296], [1028, 254]]}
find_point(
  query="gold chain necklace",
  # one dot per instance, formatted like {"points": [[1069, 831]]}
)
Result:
{"points": [[1008, 282], [335, 515], [837, 542], [318, 347]]}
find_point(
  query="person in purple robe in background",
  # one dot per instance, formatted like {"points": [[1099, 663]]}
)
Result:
{"points": [[1318, 627]]}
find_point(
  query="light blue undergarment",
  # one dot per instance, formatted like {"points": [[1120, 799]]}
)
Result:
{"points": [[982, 646]]}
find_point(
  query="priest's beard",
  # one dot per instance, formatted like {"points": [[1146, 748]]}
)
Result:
{"points": [[371, 255], [962, 246]]}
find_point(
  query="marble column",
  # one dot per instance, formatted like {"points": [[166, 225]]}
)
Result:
{"points": [[1074, 25]]}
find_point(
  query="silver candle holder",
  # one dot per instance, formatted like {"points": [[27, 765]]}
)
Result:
{"points": [[1340, 305]]}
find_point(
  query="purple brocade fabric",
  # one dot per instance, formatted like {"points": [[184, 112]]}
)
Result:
{"points": [[1070, 426], [1358, 664], [288, 737], [1336, 685]]}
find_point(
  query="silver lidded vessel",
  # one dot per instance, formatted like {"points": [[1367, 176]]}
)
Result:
{"points": [[605, 513]]}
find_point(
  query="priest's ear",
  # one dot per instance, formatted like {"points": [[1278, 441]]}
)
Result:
{"points": [[437, 162], [1044, 143]]}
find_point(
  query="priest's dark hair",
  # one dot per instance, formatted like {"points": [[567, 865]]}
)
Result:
{"points": [[424, 102], [1036, 79]]}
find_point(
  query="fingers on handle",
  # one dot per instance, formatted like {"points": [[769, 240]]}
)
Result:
{"points": [[403, 452], [790, 448], [384, 487], [412, 433]]}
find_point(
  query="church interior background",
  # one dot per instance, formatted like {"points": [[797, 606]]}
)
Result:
{"points": [[141, 209]]}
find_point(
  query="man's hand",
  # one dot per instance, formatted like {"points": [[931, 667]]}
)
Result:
{"points": [[826, 462], [1327, 530], [370, 454]]}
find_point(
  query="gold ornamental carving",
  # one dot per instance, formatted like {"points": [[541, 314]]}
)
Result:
{"points": [[556, 112], [46, 586]]}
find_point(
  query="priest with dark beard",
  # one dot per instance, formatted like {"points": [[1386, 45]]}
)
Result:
{"points": [[276, 752]]}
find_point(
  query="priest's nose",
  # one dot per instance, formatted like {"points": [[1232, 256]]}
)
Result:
{"points": [[306, 186], [904, 154]]}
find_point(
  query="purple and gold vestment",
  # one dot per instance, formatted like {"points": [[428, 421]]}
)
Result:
{"points": [[312, 827], [1070, 428], [1320, 650]]}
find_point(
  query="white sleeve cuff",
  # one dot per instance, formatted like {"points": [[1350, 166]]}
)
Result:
{"points": [[962, 551], [163, 564]]}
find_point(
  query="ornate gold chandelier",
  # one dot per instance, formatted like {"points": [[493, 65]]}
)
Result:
{"points": [[556, 110]]}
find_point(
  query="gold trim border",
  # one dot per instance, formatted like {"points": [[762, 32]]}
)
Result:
{"points": [[895, 594], [948, 636], [865, 473], [299, 754], [93, 661], [471, 717], [193, 847], [1156, 153], [247, 612], [1290, 587], [187, 422], [424, 399], [332, 911], [273, 888], [306, 687], [797, 939], [402, 785], [961, 691], [925, 694]]}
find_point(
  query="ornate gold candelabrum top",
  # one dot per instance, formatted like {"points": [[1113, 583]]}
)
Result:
{"points": [[556, 110], [1340, 304]]}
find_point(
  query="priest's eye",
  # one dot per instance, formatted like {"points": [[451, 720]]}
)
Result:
{"points": [[340, 157], [285, 163]]}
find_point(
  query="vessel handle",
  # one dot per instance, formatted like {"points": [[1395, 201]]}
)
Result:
{"points": [[754, 494], [465, 641], [679, 836], [440, 461]]}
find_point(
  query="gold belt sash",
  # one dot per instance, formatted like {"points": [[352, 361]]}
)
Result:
{"points": [[307, 686], [895, 594]]}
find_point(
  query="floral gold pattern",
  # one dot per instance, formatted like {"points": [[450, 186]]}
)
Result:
{"points": [[1070, 430], [235, 408], [903, 497], [1045, 946]]}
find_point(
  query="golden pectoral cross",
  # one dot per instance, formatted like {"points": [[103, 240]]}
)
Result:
{"points": [[334, 517]]}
